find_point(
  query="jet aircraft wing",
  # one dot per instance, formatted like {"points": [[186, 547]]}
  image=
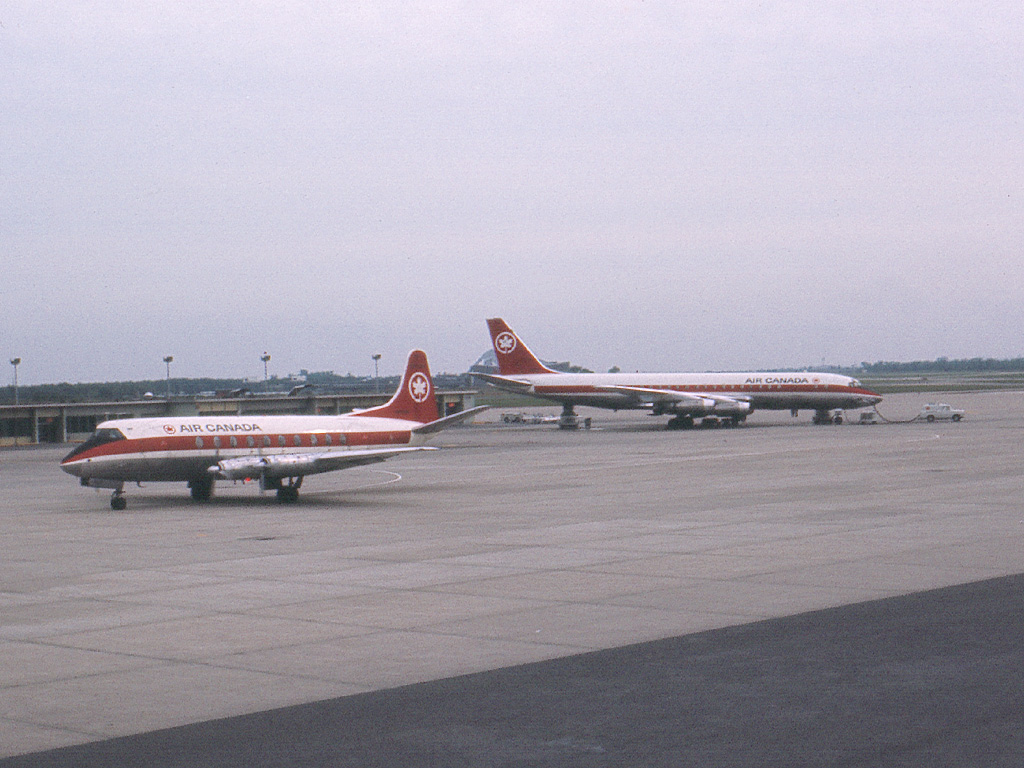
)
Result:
{"points": [[652, 395], [299, 464], [698, 400]]}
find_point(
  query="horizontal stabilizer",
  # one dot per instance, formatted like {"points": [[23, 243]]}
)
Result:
{"points": [[504, 382], [448, 421]]}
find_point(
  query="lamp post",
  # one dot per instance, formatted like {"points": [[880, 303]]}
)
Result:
{"points": [[168, 360], [376, 379], [16, 361], [265, 359]]}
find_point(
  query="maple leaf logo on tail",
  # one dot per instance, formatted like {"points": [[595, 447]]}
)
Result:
{"points": [[514, 357], [419, 387], [505, 343]]}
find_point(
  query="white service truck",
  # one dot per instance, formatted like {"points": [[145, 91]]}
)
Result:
{"points": [[940, 412]]}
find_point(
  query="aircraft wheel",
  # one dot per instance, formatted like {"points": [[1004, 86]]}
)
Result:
{"points": [[202, 488], [118, 503], [680, 422], [287, 494]]}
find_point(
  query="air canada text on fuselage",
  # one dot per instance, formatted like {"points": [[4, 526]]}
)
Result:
{"points": [[244, 426], [777, 380]]}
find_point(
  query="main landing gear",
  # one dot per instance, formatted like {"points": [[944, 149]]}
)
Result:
{"points": [[686, 421], [286, 494], [118, 501], [201, 488]]}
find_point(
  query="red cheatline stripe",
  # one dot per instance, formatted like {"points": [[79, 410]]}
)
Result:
{"points": [[182, 443], [738, 389]]}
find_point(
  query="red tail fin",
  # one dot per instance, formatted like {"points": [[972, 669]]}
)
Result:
{"points": [[514, 357], [414, 399]]}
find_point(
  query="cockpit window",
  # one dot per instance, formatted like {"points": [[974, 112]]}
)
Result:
{"points": [[855, 383], [99, 437], [107, 435]]}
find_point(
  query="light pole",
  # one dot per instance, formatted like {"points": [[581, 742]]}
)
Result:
{"points": [[376, 379], [169, 359], [16, 361], [265, 359]]}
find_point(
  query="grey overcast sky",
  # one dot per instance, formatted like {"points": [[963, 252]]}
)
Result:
{"points": [[655, 185]]}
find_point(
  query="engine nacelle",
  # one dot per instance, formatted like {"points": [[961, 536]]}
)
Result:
{"points": [[731, 409], [247, 468], [253, 467], [709, 406], [289, 465]]}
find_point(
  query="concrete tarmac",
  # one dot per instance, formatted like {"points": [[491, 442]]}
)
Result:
{"points": [[514, 545]]}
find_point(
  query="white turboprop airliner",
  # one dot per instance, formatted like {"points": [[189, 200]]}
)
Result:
{"points": [[278, 451], [686, 396]]}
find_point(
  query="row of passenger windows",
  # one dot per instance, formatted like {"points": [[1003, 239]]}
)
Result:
{"points": [[282, 441]]}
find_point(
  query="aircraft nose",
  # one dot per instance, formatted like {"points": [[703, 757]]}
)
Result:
{"points": [[72, 467]]}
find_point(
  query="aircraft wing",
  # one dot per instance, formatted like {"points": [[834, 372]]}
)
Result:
{"points": [[505, 382], [652, 396], [696, 400], [448, 421], [299, 464]]}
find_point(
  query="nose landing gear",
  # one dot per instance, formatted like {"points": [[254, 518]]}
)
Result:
{"points": [[118, 501], [568, 419], [828, 417]]}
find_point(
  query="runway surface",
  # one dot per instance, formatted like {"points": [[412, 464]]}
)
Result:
{"points": [[932, 679], [662, 581]]}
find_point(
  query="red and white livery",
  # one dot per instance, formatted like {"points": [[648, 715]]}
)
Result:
{"points": [[728, 397], [278, 451]]}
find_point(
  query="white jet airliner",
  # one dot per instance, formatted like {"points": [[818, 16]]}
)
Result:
{"points": [[278, 451], [728, 397]]}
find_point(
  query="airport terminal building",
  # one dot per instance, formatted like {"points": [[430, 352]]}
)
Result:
{"points": [[34, 423]]}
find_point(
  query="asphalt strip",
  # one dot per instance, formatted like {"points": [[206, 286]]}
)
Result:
{"points": [[929, 679]]}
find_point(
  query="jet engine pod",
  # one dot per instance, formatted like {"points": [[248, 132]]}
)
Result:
{"points": [[731, 408]]}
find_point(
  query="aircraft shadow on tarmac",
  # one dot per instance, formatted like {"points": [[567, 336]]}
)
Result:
{"points": [[362, 488]]}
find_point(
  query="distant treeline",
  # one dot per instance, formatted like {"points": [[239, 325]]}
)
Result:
{"points": [[945, 365], [326, 382], [114, 391]]}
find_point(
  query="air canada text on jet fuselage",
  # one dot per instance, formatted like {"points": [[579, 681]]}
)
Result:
{"points": [[776, 380]]}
